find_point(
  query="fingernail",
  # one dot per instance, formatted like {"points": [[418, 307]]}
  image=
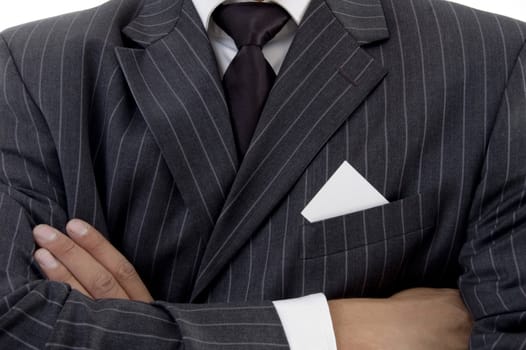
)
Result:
{"points": [[45, 259], [44, 233], [77, 227]]}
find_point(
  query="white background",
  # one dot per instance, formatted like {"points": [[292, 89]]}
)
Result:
{"points": [[14, 12]]}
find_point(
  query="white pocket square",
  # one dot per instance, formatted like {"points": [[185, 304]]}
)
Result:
{"points": [[344, 193]]}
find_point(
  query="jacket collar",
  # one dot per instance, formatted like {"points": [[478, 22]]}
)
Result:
{"points": [[154, 20], [364, 20]]}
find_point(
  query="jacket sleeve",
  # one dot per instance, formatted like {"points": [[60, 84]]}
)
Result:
{"points": [[40, 314], [493, 258]]}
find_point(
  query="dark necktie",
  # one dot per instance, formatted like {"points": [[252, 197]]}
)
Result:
{"points": [[249, 78]]}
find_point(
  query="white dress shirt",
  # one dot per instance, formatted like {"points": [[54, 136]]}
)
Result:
{"points": [[306, 321]]}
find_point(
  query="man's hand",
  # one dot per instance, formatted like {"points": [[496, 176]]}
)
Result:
{"points": [[421, 318], [88, 263]]}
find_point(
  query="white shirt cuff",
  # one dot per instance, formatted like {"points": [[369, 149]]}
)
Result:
{"points": [[307, 322]]}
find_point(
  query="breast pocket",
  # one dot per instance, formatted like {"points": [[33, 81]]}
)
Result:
{"points": [[374, 252], [408, 219]]}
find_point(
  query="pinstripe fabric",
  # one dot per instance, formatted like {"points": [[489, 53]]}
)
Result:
{"points": [[116, 115]]}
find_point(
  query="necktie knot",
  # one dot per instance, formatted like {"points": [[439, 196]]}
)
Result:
{"points": [[251, 23]]}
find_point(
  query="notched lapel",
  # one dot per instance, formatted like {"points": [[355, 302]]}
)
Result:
{"points": [[154, 20], [365, 20], [175, 84], [325, 77]]}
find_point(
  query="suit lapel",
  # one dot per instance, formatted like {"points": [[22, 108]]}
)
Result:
{"points": [[364, 20], [325, 77], [174, 80]]}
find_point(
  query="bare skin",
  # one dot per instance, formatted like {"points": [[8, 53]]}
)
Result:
{"points": [[88, 263], [418, 318]]}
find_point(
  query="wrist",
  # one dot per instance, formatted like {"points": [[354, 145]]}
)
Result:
{"points": [[357, 322]]}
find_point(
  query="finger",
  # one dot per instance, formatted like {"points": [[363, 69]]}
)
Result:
{"points": [[104, 252], [89, 272], [57, 272]]}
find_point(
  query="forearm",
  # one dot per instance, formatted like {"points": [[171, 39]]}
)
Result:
{"points": [[419, 318], [50, 313]]}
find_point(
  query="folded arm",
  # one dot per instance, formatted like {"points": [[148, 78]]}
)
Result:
{"points": [[35, 312], [494, 280]]}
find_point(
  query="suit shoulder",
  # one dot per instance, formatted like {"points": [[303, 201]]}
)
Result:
{"points": [[455, 20], [497, 30], [95, 25], [511, 28]]}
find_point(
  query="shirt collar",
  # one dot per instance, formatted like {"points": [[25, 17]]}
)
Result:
{"points": [[296, 8]]}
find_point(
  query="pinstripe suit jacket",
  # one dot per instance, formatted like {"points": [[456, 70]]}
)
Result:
{"points": [[116, 115]]}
